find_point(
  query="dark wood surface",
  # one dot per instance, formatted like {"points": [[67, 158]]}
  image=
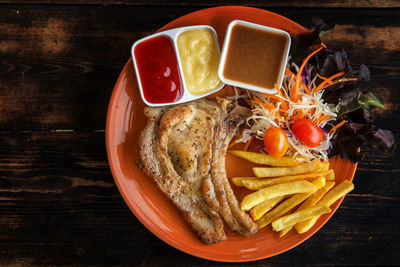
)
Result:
{"points": [[58, 201]]}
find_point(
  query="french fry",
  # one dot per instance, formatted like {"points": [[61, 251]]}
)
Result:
{"points": [[265, 159], [299, 216], [331, 197], [310, 202], [324, 166], [285, 230], [262, 208], [337, 192], [288, 178], [254, 183], [238, 181], [255, 198], [306, 225], [312, 166], [288, 204], [314, 198], [330, 175]]}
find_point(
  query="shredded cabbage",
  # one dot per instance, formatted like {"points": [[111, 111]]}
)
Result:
{"points": [[311, 105]]}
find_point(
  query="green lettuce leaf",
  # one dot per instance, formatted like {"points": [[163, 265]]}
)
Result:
{"points": [[369, 101]]}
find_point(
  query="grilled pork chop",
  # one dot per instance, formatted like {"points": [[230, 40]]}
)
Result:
{"points": [[183, 149]]}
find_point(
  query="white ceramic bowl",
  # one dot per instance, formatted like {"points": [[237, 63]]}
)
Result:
{"points": [[173, 35], [224, 53]]}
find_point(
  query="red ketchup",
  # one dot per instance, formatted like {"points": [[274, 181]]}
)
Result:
{"points": [[158, 69]]}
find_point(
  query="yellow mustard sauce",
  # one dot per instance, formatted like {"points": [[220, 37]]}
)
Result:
{"points": [[199, 59]]}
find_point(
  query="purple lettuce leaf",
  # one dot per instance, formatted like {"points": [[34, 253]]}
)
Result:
{"points": [[354, 103], [383, 139]]}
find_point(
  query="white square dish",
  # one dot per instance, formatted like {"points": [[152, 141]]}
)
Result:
{"points": [[249, 48], [173, 36]]}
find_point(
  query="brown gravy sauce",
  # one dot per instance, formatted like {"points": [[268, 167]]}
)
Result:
{"points": [[254, 56]]}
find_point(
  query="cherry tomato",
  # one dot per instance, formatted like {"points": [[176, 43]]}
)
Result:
{"points": [[307, 132], [276, 142]]}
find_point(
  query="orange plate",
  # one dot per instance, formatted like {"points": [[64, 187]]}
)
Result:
{"points": [[125, 120]]}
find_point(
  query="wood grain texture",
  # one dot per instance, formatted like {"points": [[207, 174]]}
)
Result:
{"points": [[204, 3], [58, 67], [58, 201], [59, 205]]}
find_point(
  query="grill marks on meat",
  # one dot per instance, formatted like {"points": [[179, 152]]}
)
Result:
{"points": [[183, 149]]}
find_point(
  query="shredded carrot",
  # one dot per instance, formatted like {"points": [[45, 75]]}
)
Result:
{"points": [[265, 105], [270, 96], [323, 45], [323, 78], [337, 126], [299, 115], [312, 111], [268, 107], [275, 102], [321, 119], [246, 146], [257, 100], [295, 92], [350, 79], [279, 117], [330, 79], [288, 71], [341, 81]]}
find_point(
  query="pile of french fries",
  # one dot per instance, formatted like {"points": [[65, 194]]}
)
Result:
{"points": [[289, 194]]}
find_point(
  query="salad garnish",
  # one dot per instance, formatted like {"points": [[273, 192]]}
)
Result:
{"points": [[319, 106]]}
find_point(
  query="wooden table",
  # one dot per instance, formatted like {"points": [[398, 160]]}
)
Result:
{"points": [[58, 201]]}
